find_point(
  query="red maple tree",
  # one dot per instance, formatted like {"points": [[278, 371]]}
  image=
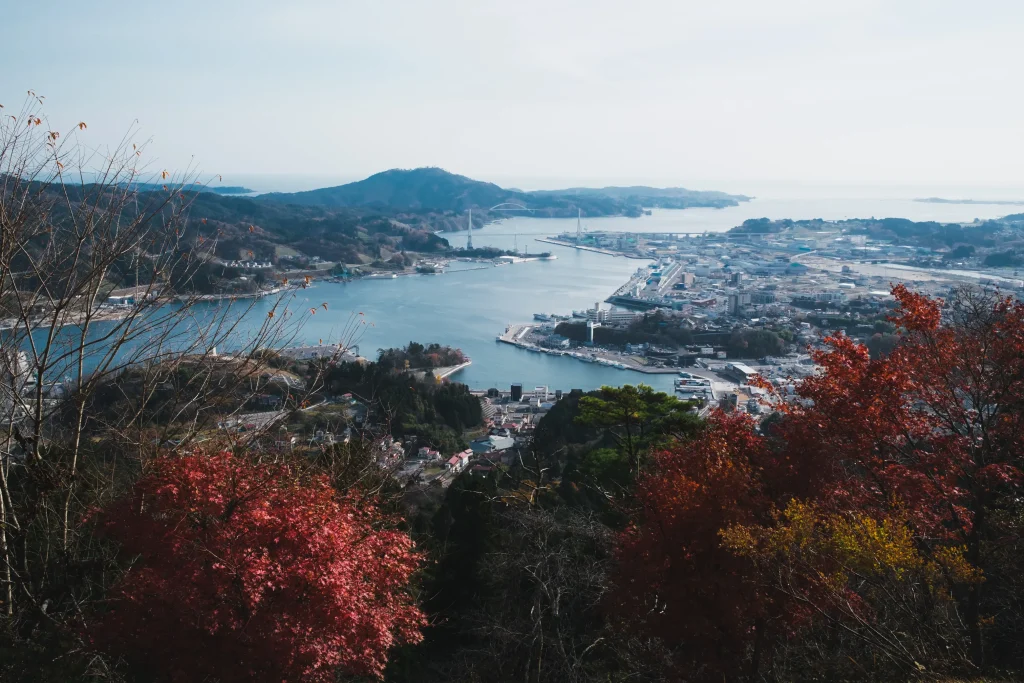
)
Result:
{"points": [[250, 572], [914, 460], [934, 430], [676, 580]]}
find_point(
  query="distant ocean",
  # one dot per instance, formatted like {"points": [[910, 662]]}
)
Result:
{"points": [[762, 189]]}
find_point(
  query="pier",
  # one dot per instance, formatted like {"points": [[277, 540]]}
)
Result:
{"points": [[518, 336]]}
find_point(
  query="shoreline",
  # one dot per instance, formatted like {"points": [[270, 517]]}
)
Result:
{"points": [[514, 333], [71, 319], [444, 373]]}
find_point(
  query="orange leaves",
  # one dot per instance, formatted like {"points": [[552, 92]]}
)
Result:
{"points": [[917, 312], [81, 125], [324, 305], [163, 175]]}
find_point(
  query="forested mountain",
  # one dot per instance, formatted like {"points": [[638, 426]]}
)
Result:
{"points": [[434, 189], [397, 189], [393, 211], [231, 228]]}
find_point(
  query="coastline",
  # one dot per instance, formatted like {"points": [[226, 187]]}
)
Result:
{"points": [[514, 333], [444, 373], [102, 315]]}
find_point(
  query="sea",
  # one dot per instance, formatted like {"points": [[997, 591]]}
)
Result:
{"points": [[469, 306]]}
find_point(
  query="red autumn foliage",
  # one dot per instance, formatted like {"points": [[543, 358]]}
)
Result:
{"points": [[248, 572], [936, 427], [676, 580], [937, 424], [932, 433]]}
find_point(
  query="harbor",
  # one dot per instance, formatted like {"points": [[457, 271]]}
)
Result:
{"points": [[523, 337]]}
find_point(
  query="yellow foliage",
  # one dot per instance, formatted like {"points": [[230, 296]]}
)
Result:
{"points": [[832, 547]]}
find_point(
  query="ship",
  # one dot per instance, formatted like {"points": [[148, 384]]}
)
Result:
{"points": [[542, 317], [692, 386]]}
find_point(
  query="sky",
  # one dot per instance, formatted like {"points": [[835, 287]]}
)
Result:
{"points": [[710, 95]]}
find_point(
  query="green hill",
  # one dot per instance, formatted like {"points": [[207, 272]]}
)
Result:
{"points": [[425, 190], [410, 190]]}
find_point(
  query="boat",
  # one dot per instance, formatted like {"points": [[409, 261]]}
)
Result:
{"points": [[693, 387], [579, 314], [542, 317]]}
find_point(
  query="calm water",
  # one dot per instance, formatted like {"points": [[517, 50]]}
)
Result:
{"points": [[468, 309]]}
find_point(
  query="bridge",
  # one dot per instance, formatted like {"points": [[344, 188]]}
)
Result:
{"points": [[510, 206]]}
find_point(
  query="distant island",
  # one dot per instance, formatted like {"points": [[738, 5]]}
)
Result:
{"points": [[224, 190], [432, 191], [655, 197], [941, 200]]}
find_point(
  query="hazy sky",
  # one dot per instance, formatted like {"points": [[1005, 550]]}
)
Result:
{"points": [[709, 94]]}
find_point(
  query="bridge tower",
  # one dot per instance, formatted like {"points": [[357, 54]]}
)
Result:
{"points": [[579, 226], [469, 239]]}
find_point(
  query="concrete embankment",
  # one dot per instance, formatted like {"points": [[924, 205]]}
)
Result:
{"points": [[515, 335], [442, 373]]}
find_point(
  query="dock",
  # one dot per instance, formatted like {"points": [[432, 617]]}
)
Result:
{"points": [[516, 336]]}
